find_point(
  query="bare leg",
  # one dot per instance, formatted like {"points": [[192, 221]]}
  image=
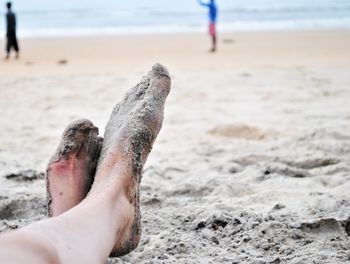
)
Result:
{"points": [[84, 234], [8, 49], [213, 49], [109, 216]]}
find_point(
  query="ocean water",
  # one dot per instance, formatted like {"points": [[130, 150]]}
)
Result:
{"points": [[85, 17]]}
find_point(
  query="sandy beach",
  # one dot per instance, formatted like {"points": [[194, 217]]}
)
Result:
{"points": [[252, 164]]}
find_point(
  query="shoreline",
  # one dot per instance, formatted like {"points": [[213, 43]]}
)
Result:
{"points": [[181, 52], [202, 30], [223, 28]]}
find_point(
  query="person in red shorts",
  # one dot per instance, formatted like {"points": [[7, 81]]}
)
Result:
{"points": [[213, 12]]}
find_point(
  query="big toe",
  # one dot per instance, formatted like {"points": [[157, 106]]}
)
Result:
{"points": [[76, 134], [160, 83], [159, 70], [158, 79]]}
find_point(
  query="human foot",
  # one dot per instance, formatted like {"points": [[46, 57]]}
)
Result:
{"points": [[130, 134], [72, 168]]}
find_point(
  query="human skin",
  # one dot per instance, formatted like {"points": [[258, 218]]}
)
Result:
{"points": [[107, 220], [72, 168]]}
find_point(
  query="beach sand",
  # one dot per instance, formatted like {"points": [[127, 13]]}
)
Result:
{"points": [[252, 164]]}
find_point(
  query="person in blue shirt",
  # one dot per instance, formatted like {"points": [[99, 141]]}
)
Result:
{"points": [[213, 13], [11, 31]]}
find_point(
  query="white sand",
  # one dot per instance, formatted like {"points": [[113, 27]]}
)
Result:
{"points": [[252, 164]]}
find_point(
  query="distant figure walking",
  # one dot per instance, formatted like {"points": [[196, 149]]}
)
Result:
{"points": [[213, 12], [11, 32]]}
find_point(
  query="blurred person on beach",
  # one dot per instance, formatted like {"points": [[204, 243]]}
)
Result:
{"points": [[12, 42], [213, 12], [93, 184]]}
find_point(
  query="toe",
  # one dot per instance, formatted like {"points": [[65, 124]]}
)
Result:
{"points": [[160, 70], [76, 133], [160, 83]]}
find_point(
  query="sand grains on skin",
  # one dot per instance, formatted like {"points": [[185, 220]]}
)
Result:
{"points": [[71, 170], [130, 133]]}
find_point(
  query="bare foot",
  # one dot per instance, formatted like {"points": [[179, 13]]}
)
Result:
{"points": [[72, 168], [130, 134]]}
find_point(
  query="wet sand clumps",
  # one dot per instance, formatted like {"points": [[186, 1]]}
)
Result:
{"points": [[16, 213], [25, 176]]}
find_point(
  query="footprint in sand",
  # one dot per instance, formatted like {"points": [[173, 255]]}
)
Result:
{"points": [[245, 75], [62, 62], [22, 208], [25, 176], [228, 41], [312, 163], [238, 131], [327, 225]]}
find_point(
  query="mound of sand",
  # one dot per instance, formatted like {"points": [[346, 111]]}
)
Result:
{"points": [[238, 131]]}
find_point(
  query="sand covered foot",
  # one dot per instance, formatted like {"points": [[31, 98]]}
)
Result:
{"points": [[130, 133], [71, 170]]}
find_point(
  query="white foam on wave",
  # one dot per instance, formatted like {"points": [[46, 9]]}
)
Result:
{"points": [[165, 29]]}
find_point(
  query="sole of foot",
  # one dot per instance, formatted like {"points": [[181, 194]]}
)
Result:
{"points": [[130, 133], [71, 170]]}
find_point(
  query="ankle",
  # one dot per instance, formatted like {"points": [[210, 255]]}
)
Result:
{"points": [[115, 196], [126, 214]]}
